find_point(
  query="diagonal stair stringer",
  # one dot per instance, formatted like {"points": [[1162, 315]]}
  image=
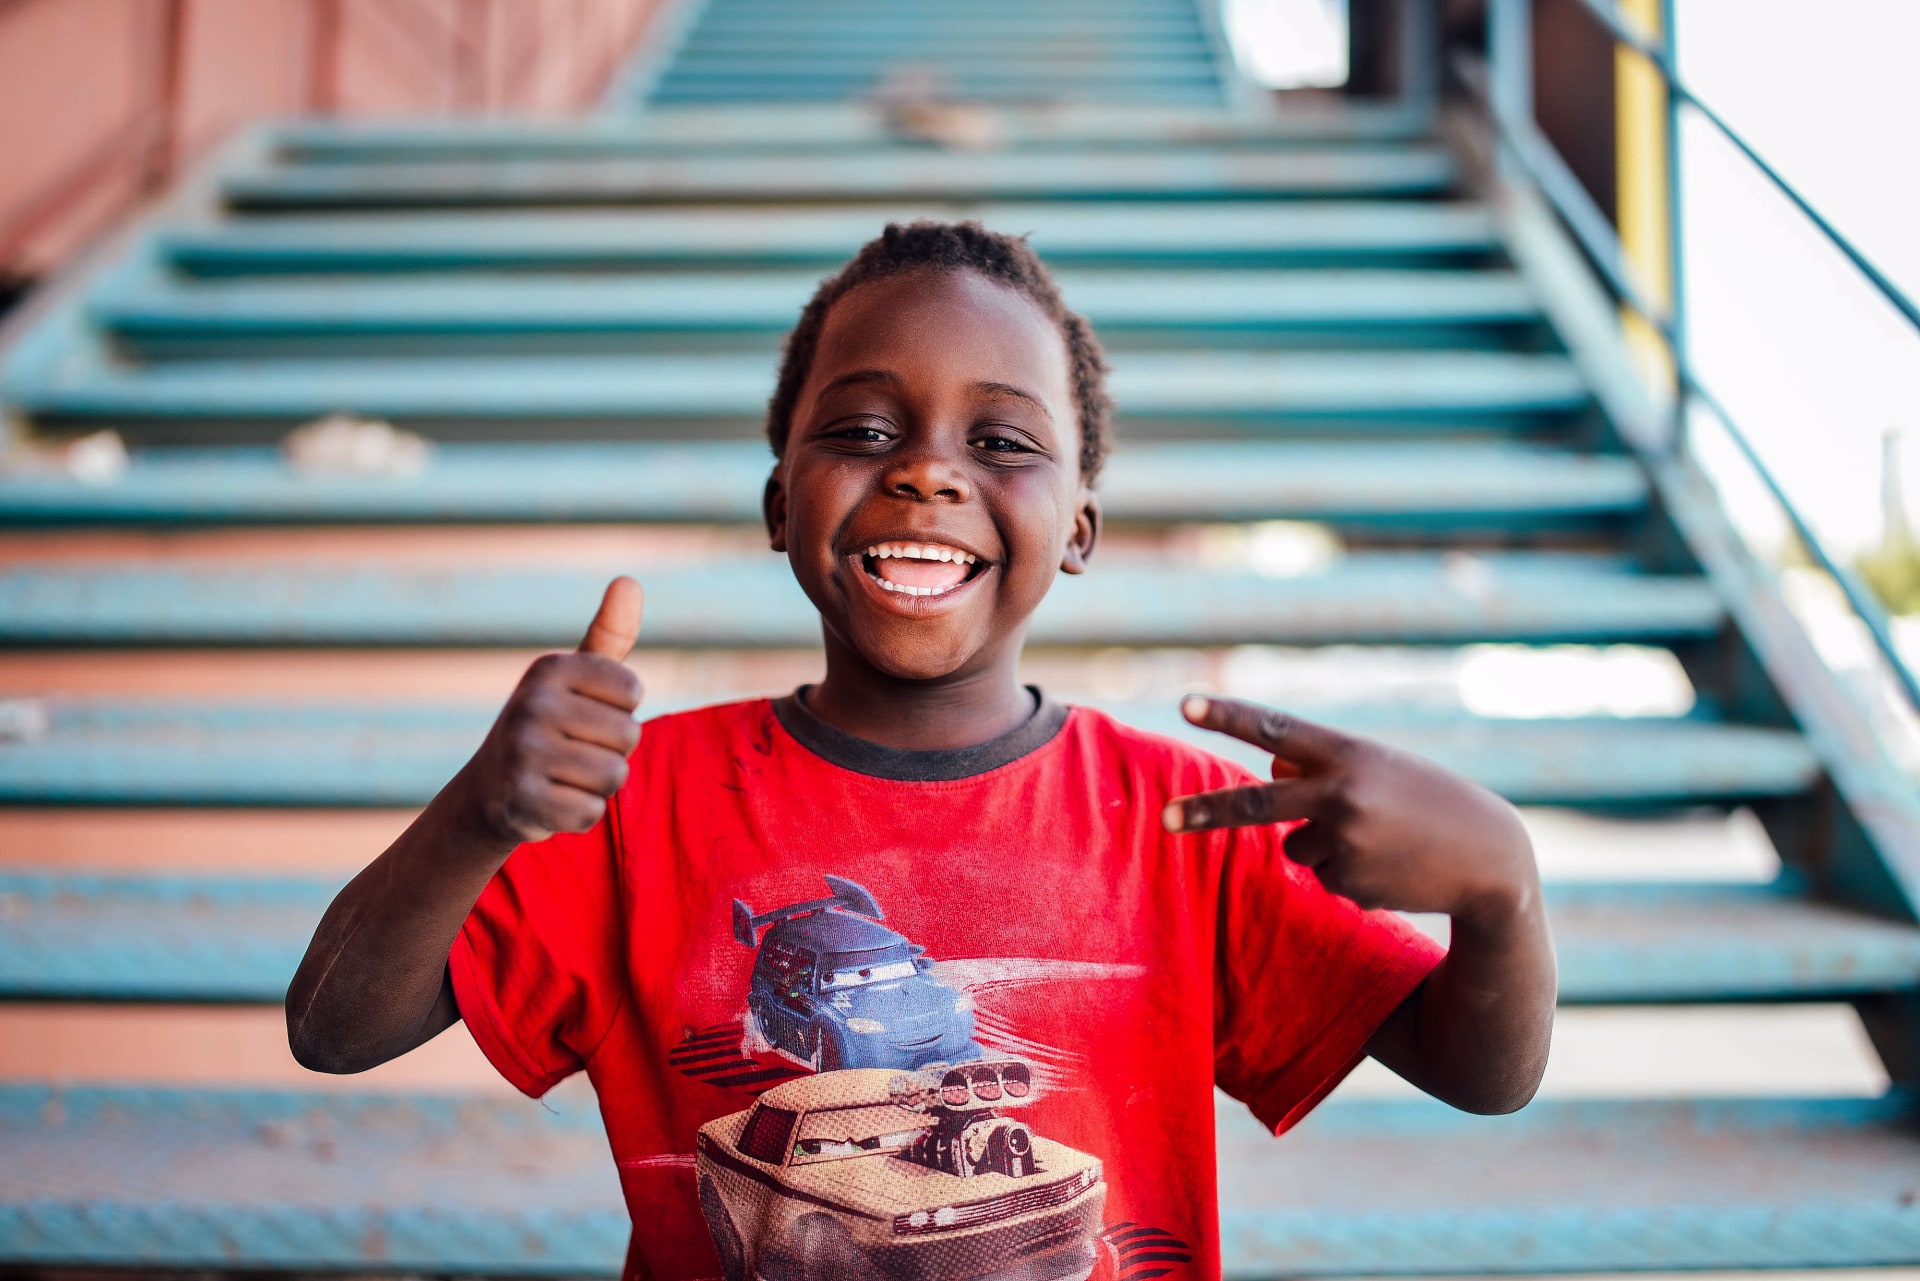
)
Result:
{"points": [[1865, 849]]}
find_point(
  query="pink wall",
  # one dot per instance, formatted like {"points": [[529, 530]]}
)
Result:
{"points": [[102, 102]]}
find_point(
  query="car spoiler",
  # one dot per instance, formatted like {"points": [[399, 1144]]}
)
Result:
{"points": [[847, 894]]}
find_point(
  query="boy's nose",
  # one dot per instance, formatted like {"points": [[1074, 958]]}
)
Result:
{"points": [[925, 476]]}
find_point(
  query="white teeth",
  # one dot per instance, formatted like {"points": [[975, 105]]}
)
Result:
{"points": [[906, 589], [920, 551]]}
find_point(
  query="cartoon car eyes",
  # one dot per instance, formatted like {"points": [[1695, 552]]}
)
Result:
{"points": [[831, 980]]}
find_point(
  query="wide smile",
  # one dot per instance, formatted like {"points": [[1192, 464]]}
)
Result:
{"points": [[914, 577]]}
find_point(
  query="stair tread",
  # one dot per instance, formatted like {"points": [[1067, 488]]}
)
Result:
{"points": [[1014, 59], [1034, 91], [1186, 173], [1372, 1187], [166, 752], [73, 936], [1407, 597], [771, 301], [1144, 231], [257, 1179], [1185, 385], [850, 125], [721, 480]]}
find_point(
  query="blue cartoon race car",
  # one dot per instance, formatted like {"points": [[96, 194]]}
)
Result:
{"points": [[833, 988]]}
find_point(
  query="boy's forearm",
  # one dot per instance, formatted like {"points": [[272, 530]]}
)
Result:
{"points": [[1476, 1033], [372, 983]]}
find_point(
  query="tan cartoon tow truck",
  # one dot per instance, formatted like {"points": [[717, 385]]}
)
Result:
{"points": [[869, 1174]]}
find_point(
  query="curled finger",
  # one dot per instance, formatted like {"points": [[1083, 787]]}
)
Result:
{"points": [[607, 680], [588, 720], [588, 768], [1247, 806]]}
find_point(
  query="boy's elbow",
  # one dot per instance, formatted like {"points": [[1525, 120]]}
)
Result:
{"points": [[1499, 1103], [321, 1058], [317, 1056], [320, 1053], [1500, 1096]]}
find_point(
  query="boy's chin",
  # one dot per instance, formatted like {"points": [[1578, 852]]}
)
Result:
{"points": [[917, 662]]}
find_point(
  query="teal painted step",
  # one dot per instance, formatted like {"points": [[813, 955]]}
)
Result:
{"points": [[155, 314], [1187, 174], [917, 11], [863, 13], [1383, 597], [1062, 72], [237, 1179], [368, 1183], [75, 937], [792, 128], [1463, 483], [765, 79], [1035, 91], [143, 752], [1150, 58], [1379, 1188], [1140, 234], [527, 390]]}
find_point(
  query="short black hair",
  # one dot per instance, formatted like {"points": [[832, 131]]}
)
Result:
{"points": [[955, 246]]}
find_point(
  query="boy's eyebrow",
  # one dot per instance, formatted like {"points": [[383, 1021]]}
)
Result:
{"points": [[859, 376], [891, 379], [1008, 389]]}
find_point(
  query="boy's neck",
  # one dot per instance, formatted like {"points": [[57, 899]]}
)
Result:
{"points": [[964, 710]]}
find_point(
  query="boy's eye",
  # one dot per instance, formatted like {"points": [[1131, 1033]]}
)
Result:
{"points": [[862, 432], [999, 444]]}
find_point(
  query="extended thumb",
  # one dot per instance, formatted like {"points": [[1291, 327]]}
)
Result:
{"points": [[617, 625]]}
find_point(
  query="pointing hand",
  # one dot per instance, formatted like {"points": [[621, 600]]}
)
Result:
{"points": [[559, 747], [1384, 827]]}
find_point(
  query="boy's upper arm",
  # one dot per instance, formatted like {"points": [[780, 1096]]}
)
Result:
{"points": [[538, 970], [1304, 979]]}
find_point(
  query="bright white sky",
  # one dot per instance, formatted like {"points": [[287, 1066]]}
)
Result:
{"points": [[1810, 360]]}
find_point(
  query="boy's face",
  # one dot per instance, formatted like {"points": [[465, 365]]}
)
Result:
{"points": [[937, 421]]}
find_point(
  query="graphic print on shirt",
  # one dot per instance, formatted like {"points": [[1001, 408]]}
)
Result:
{"points": [[833, 988], [887, 1141]]}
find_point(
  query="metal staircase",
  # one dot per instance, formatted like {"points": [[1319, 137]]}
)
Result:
{"points": [[1332, 319]]}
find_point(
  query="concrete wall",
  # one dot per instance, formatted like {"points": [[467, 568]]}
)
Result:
{"points": [[102, 102]]}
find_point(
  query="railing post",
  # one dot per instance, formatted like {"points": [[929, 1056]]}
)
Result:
{"points": [[1676, 231], [1647, 202], [1510, 69], [323, 56], [166, 87], [1418, 53]]}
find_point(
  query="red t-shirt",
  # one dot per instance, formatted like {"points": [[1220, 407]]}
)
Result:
{"points": [[843, 1025]]}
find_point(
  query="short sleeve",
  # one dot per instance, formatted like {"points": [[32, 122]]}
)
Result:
{"points": [[1303, 979], [538, 967]]}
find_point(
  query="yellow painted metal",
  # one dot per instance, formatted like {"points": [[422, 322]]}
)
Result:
{"points": [[1641, 175]]}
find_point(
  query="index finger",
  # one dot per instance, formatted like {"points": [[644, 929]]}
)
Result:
{"points": [[1288, 737]]}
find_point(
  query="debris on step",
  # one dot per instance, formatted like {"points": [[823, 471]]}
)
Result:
{"points": [[97, 458], [344, 444], [23, 720], [917, 104]]}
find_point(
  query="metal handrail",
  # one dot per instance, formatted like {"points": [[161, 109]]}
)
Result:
{"points": [[1536, 156], [1608, 16]]}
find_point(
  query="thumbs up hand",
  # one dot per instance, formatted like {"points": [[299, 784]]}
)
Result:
{"points": [[1385, 828], [559, 748]]}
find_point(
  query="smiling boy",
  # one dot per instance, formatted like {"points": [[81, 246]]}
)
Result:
{"points": [[990, 1050]]}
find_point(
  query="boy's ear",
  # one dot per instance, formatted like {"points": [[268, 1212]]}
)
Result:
{"points": [[1086, 534], [773, 507]]}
